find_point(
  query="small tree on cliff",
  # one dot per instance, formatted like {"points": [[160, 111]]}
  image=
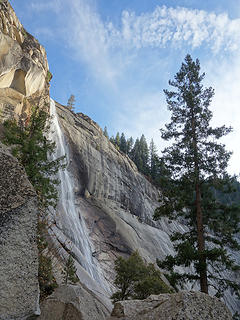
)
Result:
{"points": [[71, 102], [33, 149], [137, 280], [196, 165]]}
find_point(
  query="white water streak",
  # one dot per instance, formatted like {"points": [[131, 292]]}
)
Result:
{"points": [[69, 219]]}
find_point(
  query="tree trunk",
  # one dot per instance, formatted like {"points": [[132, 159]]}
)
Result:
{"points": [[201, 243], [199, 215]]}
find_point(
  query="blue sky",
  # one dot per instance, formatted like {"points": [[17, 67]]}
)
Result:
{"points": [[116, 57]]}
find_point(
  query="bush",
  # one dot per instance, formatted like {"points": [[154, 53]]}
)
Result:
{"points": [[137, 280]]}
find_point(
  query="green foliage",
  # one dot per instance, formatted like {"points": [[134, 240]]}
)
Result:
{"points": [[70, 271], [123, 143], [49, 76], [47, 282], [136, 280], [33, 149], [194, 184]]}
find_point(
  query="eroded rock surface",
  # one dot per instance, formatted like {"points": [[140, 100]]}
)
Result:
{"points": [[18, 250], [23, 68], [180, 306], [73, 302]]}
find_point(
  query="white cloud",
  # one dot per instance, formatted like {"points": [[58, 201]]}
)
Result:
{"points": [[179, 26], [53, 5], [225, 78]]}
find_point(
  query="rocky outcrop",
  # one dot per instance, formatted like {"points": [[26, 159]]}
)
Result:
{"points": [[183, 305], [73, 302], [18, 250], [24, 74]]}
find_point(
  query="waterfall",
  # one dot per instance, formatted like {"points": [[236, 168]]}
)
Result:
{"points": [[69, 220]]}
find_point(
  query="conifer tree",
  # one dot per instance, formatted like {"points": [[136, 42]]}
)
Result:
{"points": [[144, 154], [33, 148], [70, 271], [105, 132], [71, 102], [112, 139], [196, 166], [130, 143], [117, 140], [123, 143], [154, 160]]}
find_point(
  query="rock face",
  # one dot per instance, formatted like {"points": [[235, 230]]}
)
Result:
{"points": [[116, 201], [73, 302], [180, 306], [19, 256], [24, 72]]}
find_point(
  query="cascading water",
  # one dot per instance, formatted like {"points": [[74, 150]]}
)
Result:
{"points": [[71, 223]]}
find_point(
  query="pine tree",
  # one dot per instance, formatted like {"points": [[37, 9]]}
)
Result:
{"points": [[70, 271], [123, 143], [137, 280], [154, 161], [196, 167], [71, 102], [112, 139], [117, 140], [144, 154], [130, 143], [32, 148], [105, 132]]}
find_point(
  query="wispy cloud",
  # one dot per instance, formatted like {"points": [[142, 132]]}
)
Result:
{"points": [[178, 27], [53, 5]]}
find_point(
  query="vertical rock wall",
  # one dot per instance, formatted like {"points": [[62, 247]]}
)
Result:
{"points": [[18, 249]]}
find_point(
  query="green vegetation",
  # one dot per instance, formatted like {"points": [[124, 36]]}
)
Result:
{"points": [[49, 76], [33, 149], [70, 271], [137, 280], [193, 185]]}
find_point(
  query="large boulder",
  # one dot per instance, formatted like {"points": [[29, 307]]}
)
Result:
{"points": [[180, 306], [19, 291], [73, 302]]}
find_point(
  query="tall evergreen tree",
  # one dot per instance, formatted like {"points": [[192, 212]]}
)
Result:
{"points": [[130, 143], [144, 154], [123, 143], [196, 165], [32, 148], [117, 140], [154, 161]]}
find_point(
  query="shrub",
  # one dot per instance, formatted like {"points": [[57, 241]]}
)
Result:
{"points": [[137, 280], [70, 271]]}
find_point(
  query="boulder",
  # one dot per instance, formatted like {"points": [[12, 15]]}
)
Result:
{"points": [[183, 305], [19, 291], [73, 302]]}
